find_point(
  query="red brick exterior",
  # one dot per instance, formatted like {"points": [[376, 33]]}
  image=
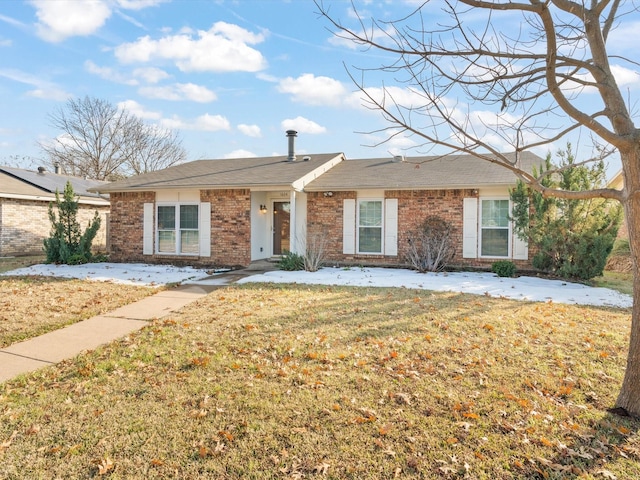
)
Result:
{"points": [[125, 225], [230, 226], [325, 217], [24, 224], [230, 229]]}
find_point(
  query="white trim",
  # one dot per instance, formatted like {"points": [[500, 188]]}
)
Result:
{"points": [[349, 226], [177, 229], [391, 226], [382, 225], [507, 228], [204, 228], [469, 227], [147, 229], [300, 183]]}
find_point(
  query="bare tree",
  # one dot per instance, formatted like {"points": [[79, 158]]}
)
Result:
{"points": [[538, 70], [104, 142]]}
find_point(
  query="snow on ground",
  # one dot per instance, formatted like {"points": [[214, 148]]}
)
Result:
{"points": [[521, 288], [124, 273]]}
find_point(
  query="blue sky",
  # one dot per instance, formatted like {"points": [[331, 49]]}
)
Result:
{"points": [[229, 76]]}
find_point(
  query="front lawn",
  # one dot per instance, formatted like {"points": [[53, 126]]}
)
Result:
{"points": [[31, 306], [277, 381]]}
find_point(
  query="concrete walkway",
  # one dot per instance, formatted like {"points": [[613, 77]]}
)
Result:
{"points": [[53, 347]]}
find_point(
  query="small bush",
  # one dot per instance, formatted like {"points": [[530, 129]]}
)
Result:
{"points": [[504, 268], [291, 261], [621, 247], [432, 245], [77, 259]]}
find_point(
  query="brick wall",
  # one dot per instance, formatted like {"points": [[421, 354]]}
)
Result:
{"points": [[24, 224], [230, 229], [325, 218], [125, 225], [230, 226]]}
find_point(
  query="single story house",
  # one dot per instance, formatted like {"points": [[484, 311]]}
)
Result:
{"points": [[25, 196], [230, 212]]}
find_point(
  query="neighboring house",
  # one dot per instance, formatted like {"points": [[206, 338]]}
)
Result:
{"points": [[231, 212], [24, 209]]}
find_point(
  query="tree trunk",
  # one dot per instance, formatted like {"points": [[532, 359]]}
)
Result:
{"points": [[629, 396]]}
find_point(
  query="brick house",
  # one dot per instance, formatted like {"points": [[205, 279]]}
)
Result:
{"points": [[25, 196], [231, 212]]}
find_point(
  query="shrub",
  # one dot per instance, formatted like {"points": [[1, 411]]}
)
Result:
{"points": [[66, 242], [504, 268], [572, 238], [315, 251], [432, 245], [291, 261]]}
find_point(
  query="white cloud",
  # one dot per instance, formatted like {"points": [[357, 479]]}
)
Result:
{"points": [[43, 88], [151, 74], [52, 93], [223, 48], [303, 125], [250, 130], [108, 73], [312, 90], [6, 42], [625, 76], [180, 91], [138, 110], [240, 154], [67, 18], [139, 4], [205, 123]]}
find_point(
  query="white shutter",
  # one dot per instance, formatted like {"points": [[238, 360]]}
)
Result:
{"points": [[470, 228], [391, 226], [520, 248], [147, 229], [349, 226], [205, 229]]}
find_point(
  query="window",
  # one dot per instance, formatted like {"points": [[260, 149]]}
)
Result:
{"points": [[494, 228], [370, 226], [178, 229]]}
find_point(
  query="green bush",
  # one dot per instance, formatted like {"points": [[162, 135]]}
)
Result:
{"points": [[504, 268], [621, 247], [291, 261], [572, 238], [67, 244]]}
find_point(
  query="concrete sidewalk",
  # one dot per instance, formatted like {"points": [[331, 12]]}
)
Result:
{"points": [[72, 340]]}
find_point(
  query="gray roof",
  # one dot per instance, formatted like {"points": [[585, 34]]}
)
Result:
{"points": [[436, 172], [256, 172], [27, 182]]}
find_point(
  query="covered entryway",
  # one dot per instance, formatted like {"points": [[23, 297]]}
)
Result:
{"points": [[281, 227]]}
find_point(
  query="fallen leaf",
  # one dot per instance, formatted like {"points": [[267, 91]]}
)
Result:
{"points": [[105, 465]]}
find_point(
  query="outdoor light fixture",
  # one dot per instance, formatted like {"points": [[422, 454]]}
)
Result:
{"points": [[328, 194], [263, 208]]}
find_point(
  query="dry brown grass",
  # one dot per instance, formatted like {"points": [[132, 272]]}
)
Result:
{"points": [[31, 306], [280, 382]]}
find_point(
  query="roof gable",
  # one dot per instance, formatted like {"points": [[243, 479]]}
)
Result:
{"points": [[255, 172]]}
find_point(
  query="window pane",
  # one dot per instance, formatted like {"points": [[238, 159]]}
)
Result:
{"points": [[189, 241], [495, 213], [371, 214], [370, 240], [188, 216], [167, 241], [495, 242], [166, 217]]}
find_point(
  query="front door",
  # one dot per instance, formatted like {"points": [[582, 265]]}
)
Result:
{"points": [[281, 214]]}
